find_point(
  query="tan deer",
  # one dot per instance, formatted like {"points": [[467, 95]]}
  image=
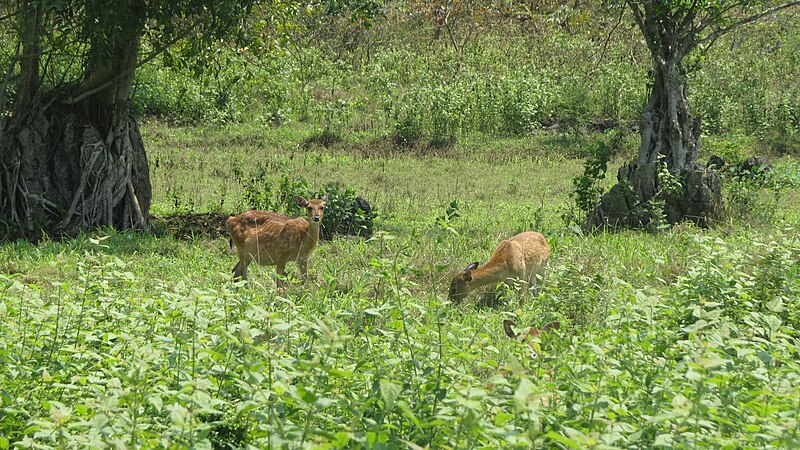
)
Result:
{"points": [[532, 336], [272, 239], [522, 258]]}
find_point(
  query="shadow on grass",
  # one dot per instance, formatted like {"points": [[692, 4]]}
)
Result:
{"points": [[189, 226]]}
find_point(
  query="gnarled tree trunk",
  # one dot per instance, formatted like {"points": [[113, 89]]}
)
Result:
{"points": [[61, 174], [670, 136], [670, 139], [73, 158]]}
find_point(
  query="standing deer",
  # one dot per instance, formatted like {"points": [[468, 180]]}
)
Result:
{"points": [[522, 257], [272, 239]]}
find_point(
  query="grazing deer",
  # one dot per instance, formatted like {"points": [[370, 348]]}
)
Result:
{"points": [[272, 239], [522, 257]]}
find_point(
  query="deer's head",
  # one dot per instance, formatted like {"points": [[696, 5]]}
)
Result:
{"points": [[315, 207], [459, 287]]}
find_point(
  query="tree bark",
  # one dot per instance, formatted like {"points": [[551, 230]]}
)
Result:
{"points": [[667, 128], [62, 176], [73, 158], [671, 137]]}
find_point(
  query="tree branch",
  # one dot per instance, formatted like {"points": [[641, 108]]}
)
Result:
{"points": [[688, 19], [608, 38], [75, 99], [649, 37], [744, 21], [637, 15]]}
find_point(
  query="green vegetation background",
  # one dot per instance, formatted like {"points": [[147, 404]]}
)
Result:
{"points": [[676, 338]]}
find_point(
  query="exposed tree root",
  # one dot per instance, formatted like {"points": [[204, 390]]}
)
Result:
{"points": [[61, 176]]}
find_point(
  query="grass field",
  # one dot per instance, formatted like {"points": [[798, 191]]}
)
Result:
{"points": [[684, 338]]}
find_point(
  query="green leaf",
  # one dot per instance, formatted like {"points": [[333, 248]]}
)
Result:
{"points": [[406, 409], [341, 439], [502, 418], [389, 391], [412, 445], [663, 440], [156, 401], [562, 439], [525, 390], [775, 305]]}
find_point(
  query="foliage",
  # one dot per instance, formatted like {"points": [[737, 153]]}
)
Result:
{"points": [[586, 187], [391, 79], [750, 103], [346, 214], [757, 196], [372, 356], [451, 213], [686, 337]]}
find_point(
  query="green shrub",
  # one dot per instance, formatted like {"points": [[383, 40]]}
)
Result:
{"points": [[257, 190], [407, 130], [587, 188], [346, 214]]}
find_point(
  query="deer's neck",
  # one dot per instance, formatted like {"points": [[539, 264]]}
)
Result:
{"points": [[312, 234], [486, 275]]}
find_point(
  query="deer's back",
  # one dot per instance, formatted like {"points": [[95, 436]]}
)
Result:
{"points": [[251, 221], [523, 254], [268, 237]]}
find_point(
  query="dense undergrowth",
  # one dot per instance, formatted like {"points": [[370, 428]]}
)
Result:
{"points": [[681, 338], [678, 338]]}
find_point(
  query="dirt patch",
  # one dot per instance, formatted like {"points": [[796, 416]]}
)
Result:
{"points": [[189, 226]]}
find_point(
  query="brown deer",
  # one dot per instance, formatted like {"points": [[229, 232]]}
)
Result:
{"points": [[522, 258], [272, 239]]}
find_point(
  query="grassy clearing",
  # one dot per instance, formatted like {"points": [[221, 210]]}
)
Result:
{"points": [[680, 339]]}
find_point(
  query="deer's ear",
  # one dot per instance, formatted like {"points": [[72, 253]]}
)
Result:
{"points": [[467, 276], [472, 266], [554, 325], [507, 324], [325, 197], [300, 201]]}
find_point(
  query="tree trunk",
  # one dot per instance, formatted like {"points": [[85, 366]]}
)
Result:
{"points": [[62, 176], [671, 137], [76, 162]]}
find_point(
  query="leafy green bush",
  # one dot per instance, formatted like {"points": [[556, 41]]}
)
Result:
{"points": [[224, 89], [587, 188], [257, 190], [407, 130], [346, 214], [427, 93], [433, 113], [755, 197]]}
